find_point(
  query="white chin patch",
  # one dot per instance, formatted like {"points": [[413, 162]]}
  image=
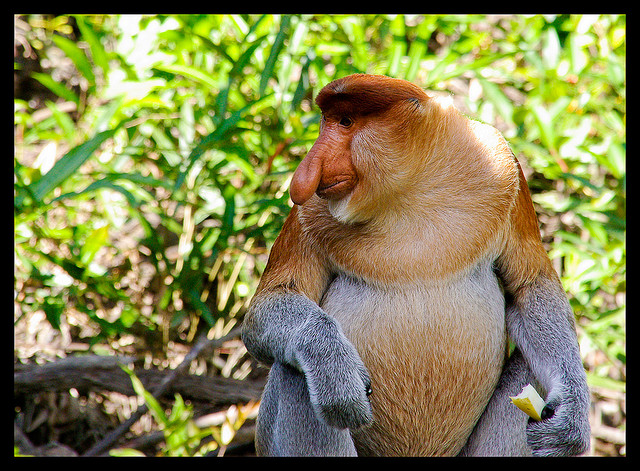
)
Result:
{"points": [[339, 209]]}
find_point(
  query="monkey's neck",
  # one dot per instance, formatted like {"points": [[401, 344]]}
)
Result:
{"points": [[405, 247]]}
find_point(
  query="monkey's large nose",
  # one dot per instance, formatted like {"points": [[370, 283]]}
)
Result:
{"points": [[306, 179]]}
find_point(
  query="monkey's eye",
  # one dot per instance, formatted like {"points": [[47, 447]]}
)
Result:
{"points": [[346, 121]]}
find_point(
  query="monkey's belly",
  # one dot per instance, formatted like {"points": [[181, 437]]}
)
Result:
{"points": [[434, 355]]}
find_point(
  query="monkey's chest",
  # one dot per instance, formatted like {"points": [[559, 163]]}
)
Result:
{"points": [[434, 354]]}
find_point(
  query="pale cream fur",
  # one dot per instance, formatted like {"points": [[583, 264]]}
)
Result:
{"points": [[434, 352]]}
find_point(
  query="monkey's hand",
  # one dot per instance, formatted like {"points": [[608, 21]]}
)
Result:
{"points": [[338, 381], [564, 429], [291, 329]]}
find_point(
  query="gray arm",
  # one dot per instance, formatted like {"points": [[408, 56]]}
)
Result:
{"points": [[288, 328], [540, 322]]}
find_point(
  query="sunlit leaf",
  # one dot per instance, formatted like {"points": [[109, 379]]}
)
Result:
{"points": [[418, 48], [550, 48], [276, 48], [68, 164], [151, 402], [191, 73], [98, 52], [398, 45], [78, 57], [498, 98], [56, 87], [125, 452]]}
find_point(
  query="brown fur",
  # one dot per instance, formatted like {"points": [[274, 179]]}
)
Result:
{"points": [[432, 198]]}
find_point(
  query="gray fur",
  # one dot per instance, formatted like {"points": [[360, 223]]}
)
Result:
{"points": [[286, 397], [540, 322], [501, 428], [290, 329], [317, 385]]}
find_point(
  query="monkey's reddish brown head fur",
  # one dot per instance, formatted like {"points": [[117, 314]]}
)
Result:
{"points": [[362, 94], [347, 105]]}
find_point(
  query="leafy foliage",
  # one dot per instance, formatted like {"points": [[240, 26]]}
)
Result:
{"points": [[150, 185], [183, 436]]}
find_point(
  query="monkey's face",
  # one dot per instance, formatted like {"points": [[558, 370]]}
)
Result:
{"points": [[328, 169], [362, 154]]}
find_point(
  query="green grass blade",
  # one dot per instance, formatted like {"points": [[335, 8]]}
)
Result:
{"points": [[152, 403], [478, 64], [498, 98], [210, 140], [243, 60], [277, 47], [56, 87], [189, 72], [398, 46], [303, 83], [68, 164], [97, 51], [418, 48], [77, 56], [64, 121], [99, 184]]}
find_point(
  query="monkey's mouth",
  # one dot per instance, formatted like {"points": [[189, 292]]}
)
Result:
{"points": [[335, 190]]}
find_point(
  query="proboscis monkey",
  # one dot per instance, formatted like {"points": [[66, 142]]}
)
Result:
{"points": [[411, 255]]}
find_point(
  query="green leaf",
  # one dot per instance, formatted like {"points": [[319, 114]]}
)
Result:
{"points": [[578, 58], [546, 118], [57, 88], [97, 51], [616, 71], [604, 382], [186, 127], [95, 241], [53, 311], [189, 72], [438, 74], [126, 452], [68, 165], [543, 120], [77, 56], [107, 113], [229, 194], [151, 402], [303, 83], [178, 410], [616, 159], [244, 59], [99, 184], [398, 44], [64, 121], [210, 140], [296, 43], [204, 311], [278, 44], [550, 49], [418, 48], [498, 98], [353, 27]]}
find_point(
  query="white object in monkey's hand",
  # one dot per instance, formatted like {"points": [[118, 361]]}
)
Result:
{"points": [[529, 401]]}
